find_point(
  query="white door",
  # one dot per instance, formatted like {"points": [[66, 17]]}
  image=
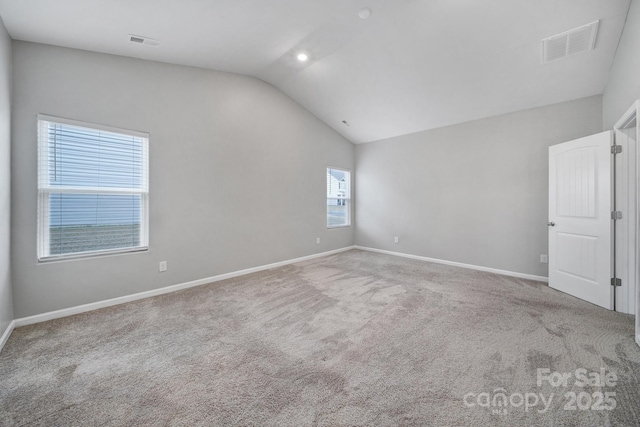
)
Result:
{"points": [[580, 218]]}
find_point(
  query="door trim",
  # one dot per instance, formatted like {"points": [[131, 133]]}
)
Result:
{"points": [[628, 251], [632, 293]]}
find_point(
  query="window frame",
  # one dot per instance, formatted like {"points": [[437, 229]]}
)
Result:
{"points": [[44, 190], [348, 197]]}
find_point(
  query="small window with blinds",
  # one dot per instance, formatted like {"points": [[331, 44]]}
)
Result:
{"points": [[338, 198], [93, 189]]}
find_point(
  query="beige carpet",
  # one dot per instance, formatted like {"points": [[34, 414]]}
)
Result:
{"points": [[347, 340]]}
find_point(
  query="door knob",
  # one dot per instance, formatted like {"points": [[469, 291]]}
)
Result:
{"points": [[551, 224]]}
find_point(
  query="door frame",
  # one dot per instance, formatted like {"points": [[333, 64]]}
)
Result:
{"points": [[628, 294]]}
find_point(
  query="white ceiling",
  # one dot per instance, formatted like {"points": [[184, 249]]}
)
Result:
{"points": [[413, 65]]}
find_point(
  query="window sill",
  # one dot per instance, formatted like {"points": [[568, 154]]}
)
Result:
{"points": [[88, 255]]}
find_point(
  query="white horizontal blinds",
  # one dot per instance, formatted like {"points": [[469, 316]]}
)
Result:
{"points": [[338, 197], [93, 188]]}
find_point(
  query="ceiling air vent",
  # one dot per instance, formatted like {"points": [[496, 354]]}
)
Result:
{"points": [[143, 40], [570, 42]]}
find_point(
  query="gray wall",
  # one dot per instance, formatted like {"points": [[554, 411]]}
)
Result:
{"points": [[237, 172], [623, 85], [474, 193], [6, 303]]}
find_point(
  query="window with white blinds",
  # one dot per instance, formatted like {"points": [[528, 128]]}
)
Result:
{"points": [[93, 189], [338, 198]]}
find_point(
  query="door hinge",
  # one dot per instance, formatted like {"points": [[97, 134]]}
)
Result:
{"points": [[616, 215], [616, 149], [616, 282]]}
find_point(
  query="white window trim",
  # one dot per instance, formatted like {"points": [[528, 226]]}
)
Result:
{"points": [[43, 237], [61, 120], [346, 199]]}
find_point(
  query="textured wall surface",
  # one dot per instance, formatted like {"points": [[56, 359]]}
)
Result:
{"points": [[623, 86], [6, 303], [237, 172], [475, 193]]}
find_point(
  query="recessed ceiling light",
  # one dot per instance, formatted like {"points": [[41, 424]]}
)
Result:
{"points": [[364, 13], [302, 57]]}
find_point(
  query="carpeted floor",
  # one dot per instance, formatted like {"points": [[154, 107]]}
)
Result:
{"points": [[352, 339]]}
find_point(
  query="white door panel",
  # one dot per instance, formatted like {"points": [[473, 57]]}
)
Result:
{"points": [[580, 211]]}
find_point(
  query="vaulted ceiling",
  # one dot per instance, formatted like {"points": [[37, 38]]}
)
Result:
{"points": [[411, 65]]}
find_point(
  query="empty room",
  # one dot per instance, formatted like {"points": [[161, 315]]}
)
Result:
{"points": [[319, 213]]}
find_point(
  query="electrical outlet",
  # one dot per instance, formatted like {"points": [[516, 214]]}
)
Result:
{"points": [[544, 259], [317, 240], [162, 266], [396, 240]]}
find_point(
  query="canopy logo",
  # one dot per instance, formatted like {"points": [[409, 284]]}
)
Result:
{"points": [[598, 400]]}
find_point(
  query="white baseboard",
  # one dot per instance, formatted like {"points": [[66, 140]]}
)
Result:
{"points": [[458, 264], [7, 334], [168, 289]]}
